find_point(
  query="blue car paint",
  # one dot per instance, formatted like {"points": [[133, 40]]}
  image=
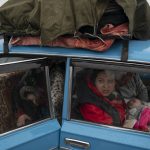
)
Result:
{"points": [[1, 46], [66, 90], [99, 137], [29, 137], [68, 52], [139, 51], [104, 138]]}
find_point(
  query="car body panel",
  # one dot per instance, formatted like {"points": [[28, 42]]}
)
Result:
{"points": [[48, 136], [38, 136], [35, 135], [103, 137], [139, 51], [98, 136]]}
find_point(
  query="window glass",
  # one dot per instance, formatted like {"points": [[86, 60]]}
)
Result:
{"points": [[3, 2], [23, 98], [111, 97]]}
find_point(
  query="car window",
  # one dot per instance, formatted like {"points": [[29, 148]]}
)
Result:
{"points": [[111, 97], [23, 98], [3, 2], [31, 91]]}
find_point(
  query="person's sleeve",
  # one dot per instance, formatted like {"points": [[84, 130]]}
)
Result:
{"points": [[141, 89], [19, 113], [93, 113], [144, 119]]}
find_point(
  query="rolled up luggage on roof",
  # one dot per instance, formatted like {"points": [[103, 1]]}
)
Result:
{"points": [[52, 18]]}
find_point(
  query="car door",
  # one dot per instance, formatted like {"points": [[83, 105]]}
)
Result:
{"points": [[77, 133], [42, 133], [81, 134]]}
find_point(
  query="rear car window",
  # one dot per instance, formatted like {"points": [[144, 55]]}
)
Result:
{"points": [[23, 98], [111, 97]]}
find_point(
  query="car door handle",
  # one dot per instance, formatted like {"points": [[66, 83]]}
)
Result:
{"points": [[77, 143]]}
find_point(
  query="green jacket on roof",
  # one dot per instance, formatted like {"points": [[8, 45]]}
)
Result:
{"points": [[52, 18]]}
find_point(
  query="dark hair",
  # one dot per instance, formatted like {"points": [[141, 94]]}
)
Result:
{"points": [[94, 74]]}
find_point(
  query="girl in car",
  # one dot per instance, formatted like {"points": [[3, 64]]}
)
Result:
{"points": [[98, 101]]}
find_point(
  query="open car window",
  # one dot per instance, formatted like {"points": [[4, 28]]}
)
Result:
{"points": [[24, 95], [111, 96], [31, 91]]}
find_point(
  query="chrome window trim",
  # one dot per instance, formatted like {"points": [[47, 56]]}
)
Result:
{"points": [[26, 126], [64, 148], [77, 143], [22, 65], [54, 148], [109, 126], [123, 66], [51, 116], [140, 63], [23, 61]]}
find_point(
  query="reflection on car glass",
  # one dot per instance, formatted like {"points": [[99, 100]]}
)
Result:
{"points": [[2, 2], [23, 98], [30, 97], [103, 96]]}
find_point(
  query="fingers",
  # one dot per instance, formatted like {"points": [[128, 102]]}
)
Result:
{"points": [[27, 117], [22, 119]]}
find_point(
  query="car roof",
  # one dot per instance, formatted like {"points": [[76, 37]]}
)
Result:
{"points": [[139, 51]]}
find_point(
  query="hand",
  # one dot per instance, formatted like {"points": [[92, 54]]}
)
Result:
{"points": [[22, 119]]}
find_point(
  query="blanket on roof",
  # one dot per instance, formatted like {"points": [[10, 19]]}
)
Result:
{"points": [[97, 44], [52, 18]]}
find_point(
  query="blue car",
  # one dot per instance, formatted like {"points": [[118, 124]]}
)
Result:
{"points": [[28, 68]]}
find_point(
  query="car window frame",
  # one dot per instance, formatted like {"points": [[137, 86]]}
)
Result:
{"points": [[102, 64], [32, 63]]}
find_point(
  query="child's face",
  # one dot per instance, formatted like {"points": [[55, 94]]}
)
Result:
{"points": [[105, 83]]}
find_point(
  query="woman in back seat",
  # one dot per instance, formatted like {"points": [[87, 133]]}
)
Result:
{"points": [[98, 101]]}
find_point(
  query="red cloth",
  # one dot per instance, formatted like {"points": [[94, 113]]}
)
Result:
{"points": [[144, 120], [19, 113], [91, 112], [72, 42]]}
